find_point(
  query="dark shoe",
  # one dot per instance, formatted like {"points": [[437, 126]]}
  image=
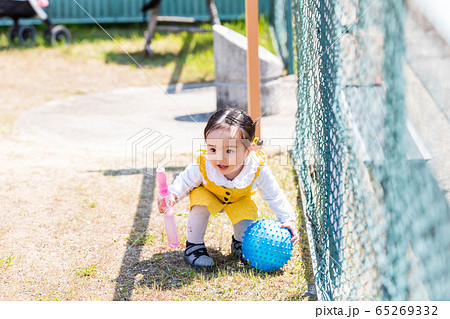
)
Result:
{"points": [[197, 256], [236, 249]]}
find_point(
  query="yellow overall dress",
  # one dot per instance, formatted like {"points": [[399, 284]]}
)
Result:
{"points": [[236, 202]]}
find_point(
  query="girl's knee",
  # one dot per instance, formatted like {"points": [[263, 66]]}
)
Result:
{"points": [[199, 210], [240, 228], [243, 223]]}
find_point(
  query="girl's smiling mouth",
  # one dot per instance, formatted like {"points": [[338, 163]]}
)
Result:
{"points": [[222, 167]]}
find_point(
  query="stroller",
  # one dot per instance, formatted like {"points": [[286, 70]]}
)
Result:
{"points": [[26, 34]]}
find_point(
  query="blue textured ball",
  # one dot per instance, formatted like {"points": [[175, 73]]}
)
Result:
{"points": [[266, 245]]}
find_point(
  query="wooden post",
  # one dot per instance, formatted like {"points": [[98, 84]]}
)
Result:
{"points": [[253, 72]]}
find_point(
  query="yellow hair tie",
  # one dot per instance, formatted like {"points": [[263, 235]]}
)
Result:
{"points": [[257, 141]]}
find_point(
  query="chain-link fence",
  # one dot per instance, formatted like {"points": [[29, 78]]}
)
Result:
{"points": [[280, 16], [377, 215]]}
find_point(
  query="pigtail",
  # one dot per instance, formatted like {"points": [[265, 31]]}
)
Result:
{"points": [[257, 141]]}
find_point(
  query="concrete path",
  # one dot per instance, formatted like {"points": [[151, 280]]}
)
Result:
{"points": [[108, 121], [427, 74], [428, 55], [436, 11]]}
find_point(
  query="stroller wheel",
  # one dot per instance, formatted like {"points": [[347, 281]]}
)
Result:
{"points": [[27, 34], [60, 35]]}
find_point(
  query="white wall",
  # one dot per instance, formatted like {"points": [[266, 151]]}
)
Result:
{"points": [[438, 13]]}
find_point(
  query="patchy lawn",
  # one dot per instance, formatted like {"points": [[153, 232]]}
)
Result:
{"points": [[77, 225]]}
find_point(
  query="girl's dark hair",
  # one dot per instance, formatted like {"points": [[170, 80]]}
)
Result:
{"points": [[232, 118]]}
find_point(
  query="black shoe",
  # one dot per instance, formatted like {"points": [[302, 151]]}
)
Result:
{"points": [[236, 249], [197, 256]]}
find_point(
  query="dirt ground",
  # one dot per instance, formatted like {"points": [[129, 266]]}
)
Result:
{"points": [[77, 225], [51, 202], [30, 78]]}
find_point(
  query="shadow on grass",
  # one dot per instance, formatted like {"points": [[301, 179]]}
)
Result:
{"points": [[163, 59], [126, 279], [167, 270]]}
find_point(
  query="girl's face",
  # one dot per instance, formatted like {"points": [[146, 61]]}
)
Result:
{"points": [[226, 152]]}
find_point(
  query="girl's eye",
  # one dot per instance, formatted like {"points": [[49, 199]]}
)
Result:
{"points": [[230, 151], [212, 150]]}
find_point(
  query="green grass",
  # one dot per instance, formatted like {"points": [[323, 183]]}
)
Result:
{"points": [[186, 57], [265, 39], [143, 238], [87, 271], [42, 297], [7, 261], [89, 203], [160, 273]]}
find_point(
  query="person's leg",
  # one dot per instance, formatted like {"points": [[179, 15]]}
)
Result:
{"points": [[196, 254], [239, 228], [197, 222]]}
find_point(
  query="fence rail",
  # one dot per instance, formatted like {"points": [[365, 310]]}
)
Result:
{"points": [[128, 11]]}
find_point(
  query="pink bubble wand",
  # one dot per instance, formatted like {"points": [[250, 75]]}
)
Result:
{"points": [[169, 218]]}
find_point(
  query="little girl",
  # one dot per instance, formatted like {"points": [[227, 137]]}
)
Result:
{"points": [[224, 178]]}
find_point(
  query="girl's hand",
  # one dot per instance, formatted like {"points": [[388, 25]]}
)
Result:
{"points": [[290, 224], [164, 203]]}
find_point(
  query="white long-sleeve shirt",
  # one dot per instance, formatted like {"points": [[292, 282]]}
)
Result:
{"points": [[266, 183]]}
